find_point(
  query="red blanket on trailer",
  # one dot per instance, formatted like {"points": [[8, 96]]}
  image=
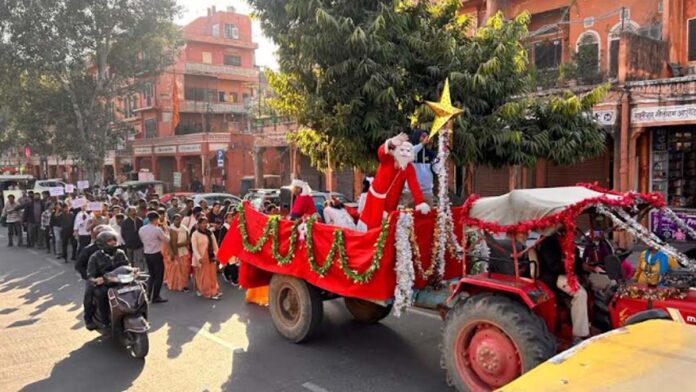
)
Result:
{"points": [[257, 268]]}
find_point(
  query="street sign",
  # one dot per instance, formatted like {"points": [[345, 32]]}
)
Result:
{"points": [[176, 179], [220, 156]]}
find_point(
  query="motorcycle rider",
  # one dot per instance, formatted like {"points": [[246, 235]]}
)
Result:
{"points": [[106, 259], [81, 268]]}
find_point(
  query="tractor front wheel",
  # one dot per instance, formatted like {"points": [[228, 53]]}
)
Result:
{"points": [[490, 340]]}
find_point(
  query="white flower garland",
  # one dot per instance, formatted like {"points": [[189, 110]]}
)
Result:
{"points": [[679, 221], [405, 275], [645, 235]]}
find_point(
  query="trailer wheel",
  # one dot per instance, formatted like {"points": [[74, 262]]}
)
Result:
{"points": [[490, 340], [365, 311], [296, 307]]}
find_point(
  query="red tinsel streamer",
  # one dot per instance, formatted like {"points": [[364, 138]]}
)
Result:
{"points": [[565, 217]]}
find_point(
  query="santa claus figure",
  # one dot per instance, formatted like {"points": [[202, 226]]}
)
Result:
{"points": [[395, 168]]}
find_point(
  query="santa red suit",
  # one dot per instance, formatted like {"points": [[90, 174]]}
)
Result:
{"points": [[395, 168]]}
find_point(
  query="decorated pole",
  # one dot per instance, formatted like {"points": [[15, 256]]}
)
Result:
{"points": [[444, 225]]}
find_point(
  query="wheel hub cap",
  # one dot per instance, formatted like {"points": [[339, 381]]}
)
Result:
{"points": [[491, 356]]}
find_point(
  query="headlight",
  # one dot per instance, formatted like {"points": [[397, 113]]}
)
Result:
{"points": [[126, 278]]}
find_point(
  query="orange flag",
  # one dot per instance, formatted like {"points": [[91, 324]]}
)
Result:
{"points": [[175, 102]]}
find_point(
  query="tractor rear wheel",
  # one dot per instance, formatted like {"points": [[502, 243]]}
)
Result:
{"points": [[365, 311], [296, 307], [490, 340]]}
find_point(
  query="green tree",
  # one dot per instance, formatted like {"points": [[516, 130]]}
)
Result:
{"points": [[357, 72], [78, 57]]}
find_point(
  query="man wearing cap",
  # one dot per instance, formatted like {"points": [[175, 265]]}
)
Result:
{"points": [[303, 205]]}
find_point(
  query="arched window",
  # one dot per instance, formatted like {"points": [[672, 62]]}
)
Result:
{"points": [[614, 36], [587, 50]]}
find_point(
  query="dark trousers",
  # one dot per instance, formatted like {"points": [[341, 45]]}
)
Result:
{"points": [[14, 229], [87, 301], [32, 234], [69, 239], [84, 240], [155, 266], [101, 295]]}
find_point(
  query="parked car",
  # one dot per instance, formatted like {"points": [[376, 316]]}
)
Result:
{"points": [[167, 197], [45, 185], [210, 198], [142, 186], [259, 197]]}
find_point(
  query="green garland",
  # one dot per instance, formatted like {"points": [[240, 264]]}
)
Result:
{"points": [[271, 230]]}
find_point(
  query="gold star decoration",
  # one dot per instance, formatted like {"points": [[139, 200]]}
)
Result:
{"points": [[444, 111]]}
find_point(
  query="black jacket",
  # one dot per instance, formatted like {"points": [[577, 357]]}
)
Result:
{"points": [[83, 259], [67, 221], [129, 233], [101, 263], [29, 212]]}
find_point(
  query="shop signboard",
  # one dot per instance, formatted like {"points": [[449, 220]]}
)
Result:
{"points": [[663, 227], [165, 149], [190, 148], [142, 151], [663, 114]]}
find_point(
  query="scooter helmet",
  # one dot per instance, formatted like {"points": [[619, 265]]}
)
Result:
{"points": [[104, 240]]}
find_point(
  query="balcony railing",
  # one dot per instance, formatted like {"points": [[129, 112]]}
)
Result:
{"points": [[220, 70], [211, 107]]}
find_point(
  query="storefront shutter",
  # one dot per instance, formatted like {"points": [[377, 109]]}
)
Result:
{"points": [[491, 182], [597, 169]]}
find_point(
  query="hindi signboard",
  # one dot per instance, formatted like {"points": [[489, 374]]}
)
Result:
{"points": [[663, 114]]}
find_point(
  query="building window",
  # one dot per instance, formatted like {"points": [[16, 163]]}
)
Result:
{"points": [[222, 97], [232, 60], [231, 31], [246, 99], [692, 40], [587, 58], [216, 30], [149, 94], [207, 58], [200, 94], [150, 128], [130, 103], [234, 97], [654, 31], [547, 54], [614, 57]]}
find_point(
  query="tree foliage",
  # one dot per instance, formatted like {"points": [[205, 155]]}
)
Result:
{"points": [[75, 58], [356, 72]]}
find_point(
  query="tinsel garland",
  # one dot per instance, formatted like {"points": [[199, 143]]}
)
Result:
{"points": [[651, 293], [679, 222], [480, 253], [271, 230], [640, 232], [405, 275], [444, 237]]}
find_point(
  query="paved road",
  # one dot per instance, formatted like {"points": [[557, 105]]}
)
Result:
{"points": [[198, 344]]}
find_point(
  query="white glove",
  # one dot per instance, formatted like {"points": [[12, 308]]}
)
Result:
{"points": [[423, 208]]}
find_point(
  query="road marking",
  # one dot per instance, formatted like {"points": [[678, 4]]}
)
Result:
{"points": [[215, 339], [54, 262], [431, 315], [313, 387]]}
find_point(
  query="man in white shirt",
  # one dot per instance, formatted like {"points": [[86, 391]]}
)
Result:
{"points": [[153, 237], [81, 229]]}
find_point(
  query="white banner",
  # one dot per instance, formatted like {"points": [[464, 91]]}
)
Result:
{"points": [[84, 184], [94, 206], [69, 188], [56, 191], [79, 202]]}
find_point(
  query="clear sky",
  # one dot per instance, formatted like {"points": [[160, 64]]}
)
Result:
{"points": [[195, 8]]}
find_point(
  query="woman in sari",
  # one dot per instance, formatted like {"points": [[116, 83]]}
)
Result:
{"points": [[181, 266], [165, 249], [204, 249]]}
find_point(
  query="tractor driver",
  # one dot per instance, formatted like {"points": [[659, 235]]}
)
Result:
{"points": [[552, 272]]}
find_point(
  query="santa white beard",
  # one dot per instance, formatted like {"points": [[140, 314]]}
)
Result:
{"points": [[401, 161]]}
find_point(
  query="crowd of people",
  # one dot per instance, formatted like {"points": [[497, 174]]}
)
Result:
{"points": [[174, 243]]}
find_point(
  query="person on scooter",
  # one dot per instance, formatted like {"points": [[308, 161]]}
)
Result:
{"points": [[81, 268], [106, 259]]}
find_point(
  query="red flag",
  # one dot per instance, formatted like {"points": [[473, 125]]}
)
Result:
{"points": [[175, 102]]}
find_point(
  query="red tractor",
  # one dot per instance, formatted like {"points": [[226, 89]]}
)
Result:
{"points": [[498, 325]]}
